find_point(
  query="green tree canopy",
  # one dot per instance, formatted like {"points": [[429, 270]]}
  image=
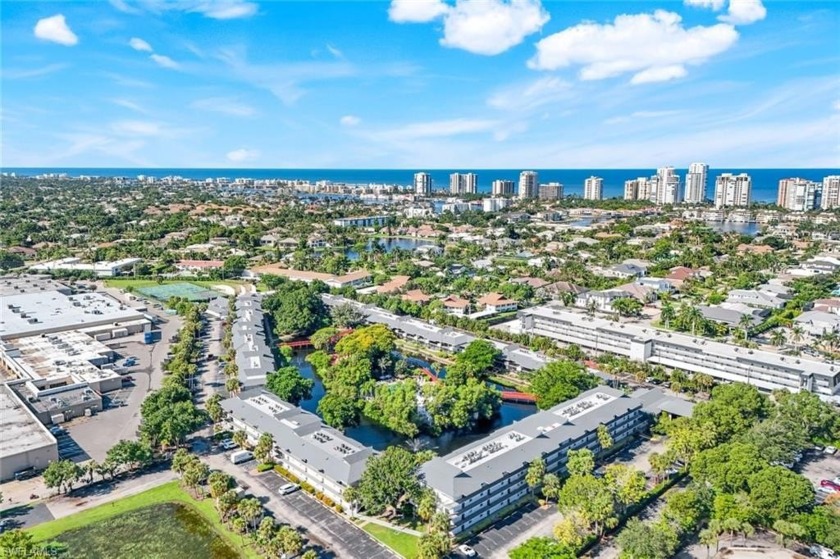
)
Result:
{"points": [[289, 385], [559, 381], [777, 493], [542, 548], [389, 481]]}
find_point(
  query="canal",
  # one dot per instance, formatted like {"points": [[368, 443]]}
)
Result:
{"points": [[389, 244], [379, 437]]}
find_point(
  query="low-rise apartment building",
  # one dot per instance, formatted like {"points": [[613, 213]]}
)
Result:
{"points": [[476, 482], [309, 449], [368, 221], [764, 369], [253, 356]]}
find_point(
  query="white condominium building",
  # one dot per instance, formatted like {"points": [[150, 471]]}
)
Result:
{"points": [[502, 188], [695, 183], [733, 190], [831, 192], [475, 483], [593, 188], [303, 444], [422, 184], [637, 189], [528, 184], [668, 187], [551, 191], [463, 183], [764, 369], [799, 195]]}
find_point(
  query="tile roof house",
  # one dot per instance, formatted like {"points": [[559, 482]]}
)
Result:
{"points": [[416, 296], [395, 285], [536, 283], [455, 305], [497, 303]]}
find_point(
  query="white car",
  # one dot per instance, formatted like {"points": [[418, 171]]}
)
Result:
{"points": [[830, 450], [227, 444], [467, 550], [288, 488]]}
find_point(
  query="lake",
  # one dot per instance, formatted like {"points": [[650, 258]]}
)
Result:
{"points": [[388, 244], [380, 438], [165, 531]]}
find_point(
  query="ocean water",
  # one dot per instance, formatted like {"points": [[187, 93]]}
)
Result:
{"points": [[765, 181]]}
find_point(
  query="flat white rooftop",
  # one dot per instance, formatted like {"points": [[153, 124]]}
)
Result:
{"points": [[66, 357], [20, 430], [13, 285], [487, 450], [51, 311], [267, 406], [584, 406]]}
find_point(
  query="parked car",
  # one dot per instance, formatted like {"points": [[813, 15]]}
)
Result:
{"points": [[467, 550], [228, 444], [822, 552], [241, 456], [828, 484], [288, 488], [830, 450], [28, 473]]}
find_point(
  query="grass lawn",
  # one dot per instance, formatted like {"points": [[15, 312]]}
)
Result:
{"points": [[402, 543], [122, 283], [167, 493]]}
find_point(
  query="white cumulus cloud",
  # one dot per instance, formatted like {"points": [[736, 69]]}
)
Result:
{"points": [[712, 4], [225, 9], [164, 61], [350, 120], [487, 27], [140, 45], [741, 12], [416, 11], [242, 154], [744, 12], [653, 47], [56, 30]]}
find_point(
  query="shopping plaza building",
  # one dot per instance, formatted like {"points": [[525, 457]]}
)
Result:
{"points": [[766, 370]]}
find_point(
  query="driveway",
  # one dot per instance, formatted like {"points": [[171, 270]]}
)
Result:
{"points": [[509, 532], [356, 540], [315, 521]]}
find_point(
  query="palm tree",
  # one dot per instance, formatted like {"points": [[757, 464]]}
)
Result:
{"points": [[251, 510], [240, 438], [668, 314], [797, 334], [232, 385], [778, 338], [746, 323], [709, 536]]}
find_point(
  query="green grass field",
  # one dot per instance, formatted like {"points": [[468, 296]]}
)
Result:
{"points": [[402, 543], [168, 493], [123, 283]]}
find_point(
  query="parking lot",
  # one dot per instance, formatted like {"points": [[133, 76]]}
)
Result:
{"points": [[360, 544], [637, 453], [505, 534], [120, 417], [817, 466]]}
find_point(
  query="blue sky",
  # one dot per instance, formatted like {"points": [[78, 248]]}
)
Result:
{"points": [[421, 84]]}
